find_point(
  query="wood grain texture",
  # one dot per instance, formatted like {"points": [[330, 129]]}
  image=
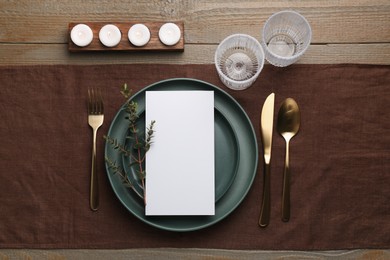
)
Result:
{"points": [[336, 25], [179, 254], [204, 23], [35, 54]]}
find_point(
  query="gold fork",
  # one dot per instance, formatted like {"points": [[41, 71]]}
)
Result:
{"points": [[95, 120]]}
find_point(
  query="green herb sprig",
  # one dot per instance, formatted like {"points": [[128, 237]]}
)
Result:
{"points": [[140, 146]]}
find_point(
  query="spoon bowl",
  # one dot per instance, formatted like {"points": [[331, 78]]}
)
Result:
{"points": [[289, 120]]}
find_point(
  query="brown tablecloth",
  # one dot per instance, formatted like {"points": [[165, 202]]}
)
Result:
{"points": [[340, 160]]}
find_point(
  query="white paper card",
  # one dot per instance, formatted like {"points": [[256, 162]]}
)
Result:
{"points": [[180, 170]]}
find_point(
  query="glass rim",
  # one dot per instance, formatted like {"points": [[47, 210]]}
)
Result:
{"points": [[261, 61], [297, 55]]}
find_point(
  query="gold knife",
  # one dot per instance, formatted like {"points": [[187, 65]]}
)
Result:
{"points": [[266, 126]]}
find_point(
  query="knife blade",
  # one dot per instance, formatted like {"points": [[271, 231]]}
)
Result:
{"points": [[266, 126]]}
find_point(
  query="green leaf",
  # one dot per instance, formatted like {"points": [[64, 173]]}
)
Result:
{"points": [[137, 146], [126, 92]]}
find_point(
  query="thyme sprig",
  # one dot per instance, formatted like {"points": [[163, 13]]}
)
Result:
{"points": [[139, 146], [120, 171]]}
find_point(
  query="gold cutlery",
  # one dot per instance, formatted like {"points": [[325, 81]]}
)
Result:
{"points": [[266, 126], [288, 125], [95, 120]]}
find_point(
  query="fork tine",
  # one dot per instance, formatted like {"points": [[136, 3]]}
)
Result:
{"points": [[100, 102], [95, 101], [92, 101], [89, 101]]}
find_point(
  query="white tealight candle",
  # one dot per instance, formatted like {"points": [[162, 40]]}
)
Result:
{"points": [[110, 35], [81, 35], [139, 34], [169, 34]]}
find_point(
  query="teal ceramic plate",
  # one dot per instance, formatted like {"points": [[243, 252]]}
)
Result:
{"points": [[235, 157], [226, 160]]}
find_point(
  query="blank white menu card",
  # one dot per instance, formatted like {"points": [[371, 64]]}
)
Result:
{"points": [[180, 170]]}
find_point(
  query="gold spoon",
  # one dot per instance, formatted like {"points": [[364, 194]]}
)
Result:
{"points": [[289, 119]]}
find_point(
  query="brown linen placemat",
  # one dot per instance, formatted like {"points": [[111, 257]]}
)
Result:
{"points": [[339, 160]]}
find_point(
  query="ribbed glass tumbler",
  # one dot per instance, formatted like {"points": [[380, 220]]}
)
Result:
{"points": [[239, 58], [285, 38]]}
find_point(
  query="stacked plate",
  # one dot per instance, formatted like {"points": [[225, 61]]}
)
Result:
{"points": [[236, 157]]}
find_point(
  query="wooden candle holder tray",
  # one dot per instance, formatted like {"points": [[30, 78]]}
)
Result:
{"points": [[125, 45]]}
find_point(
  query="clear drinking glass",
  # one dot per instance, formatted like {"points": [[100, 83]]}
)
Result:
{"points": [[286, 36], [239, 58]]}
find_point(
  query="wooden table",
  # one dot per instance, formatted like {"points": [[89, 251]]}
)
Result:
{"points": [[346, 31]]}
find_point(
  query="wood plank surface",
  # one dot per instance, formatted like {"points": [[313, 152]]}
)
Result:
{"points": [[32, 54], [187, 254], [37, 28], [206, 21]]}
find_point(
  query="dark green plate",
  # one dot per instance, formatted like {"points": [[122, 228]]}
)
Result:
{"points": [[235, 157]]}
